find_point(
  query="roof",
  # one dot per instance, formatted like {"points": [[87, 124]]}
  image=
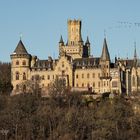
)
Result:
{"points": [[105, 53], [87, 41], [44, 64], [86, 62], [61, 39], [20, 49]]}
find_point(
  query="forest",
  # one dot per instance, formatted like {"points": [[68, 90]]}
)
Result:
{"points": [[65, 115]]}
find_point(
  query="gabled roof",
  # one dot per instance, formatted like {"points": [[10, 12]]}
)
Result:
{"points": [[20, 49], [105, 53]]}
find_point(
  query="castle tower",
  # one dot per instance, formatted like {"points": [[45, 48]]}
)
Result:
{"points": [[74, 32], [20, 68], [105, 67]]}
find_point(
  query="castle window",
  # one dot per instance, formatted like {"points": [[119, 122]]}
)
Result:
{"points": [[107, 74], [114, 84], [93, 75], [63, 72], [93, 84], [82, 75], [37, 77], [88, 85], [24, 88], [104, 83], [76, 85], [43, 78], [63, 65], [98, 84], [48, 77], [88, 75], [82, 84], [17, 62], [24, 62], [24, 76], [76, 76], [107, 83], [17, 75], [32, 78], [17, 87], [98, 75]]}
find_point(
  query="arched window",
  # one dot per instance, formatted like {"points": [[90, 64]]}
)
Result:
{"points": [[17, 87], [24, 88], [43, 78], [24, 76], [17, 75], [24, 62], [17, 62], [88, 75], [93, 84]]}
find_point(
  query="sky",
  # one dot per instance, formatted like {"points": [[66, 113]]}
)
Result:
{"points": [[42, 22]]}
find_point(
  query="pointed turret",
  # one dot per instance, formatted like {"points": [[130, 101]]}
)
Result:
{"points": [[61, 42], [105, 53], [135, 52], [87, 41], [20, 49], [61, 39], [135, 55]]}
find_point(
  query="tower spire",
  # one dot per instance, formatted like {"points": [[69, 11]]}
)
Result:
{"points": [[87, 41], [105, 53], [61, 39], [135, 51], [135, 55]]}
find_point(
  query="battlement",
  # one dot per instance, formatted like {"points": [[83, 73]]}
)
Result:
{"points": [[74, 22]]}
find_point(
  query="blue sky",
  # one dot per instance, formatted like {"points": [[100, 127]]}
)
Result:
{"points": [[41, 23]]}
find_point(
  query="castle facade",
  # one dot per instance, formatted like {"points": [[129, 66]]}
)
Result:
{"points": [[75, 65]]}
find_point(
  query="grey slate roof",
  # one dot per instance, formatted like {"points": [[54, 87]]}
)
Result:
{"points": [[86, 62], [87, 41], [20, 49], [43, 64], [105, 53], [61, 40]]}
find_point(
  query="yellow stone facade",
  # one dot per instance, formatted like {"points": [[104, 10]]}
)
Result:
{"points": [[75, 65]]}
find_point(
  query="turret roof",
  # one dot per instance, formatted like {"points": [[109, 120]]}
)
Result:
{"points": [[61, 39], [105, 53], [20, 49]]}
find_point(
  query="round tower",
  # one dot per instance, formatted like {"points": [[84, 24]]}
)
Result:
{"points": [[20, 68]]}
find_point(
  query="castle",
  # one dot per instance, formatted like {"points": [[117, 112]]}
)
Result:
{"points": [[76, 67]]}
